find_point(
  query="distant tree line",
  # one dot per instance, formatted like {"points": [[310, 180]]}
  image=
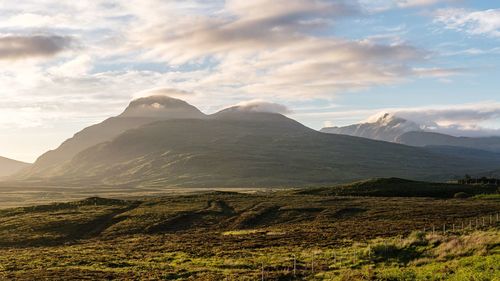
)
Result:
{"points": [[481, 181]]}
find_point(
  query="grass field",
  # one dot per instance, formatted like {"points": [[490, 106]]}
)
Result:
{"points": [[235, 236]]}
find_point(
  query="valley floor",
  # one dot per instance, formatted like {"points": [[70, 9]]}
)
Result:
{"points": [[269, 236]]}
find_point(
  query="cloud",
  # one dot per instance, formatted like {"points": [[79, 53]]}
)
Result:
{"points": [[263, 48], [417, 3], [170, 92], [383, 5], [14, 47], [457, 120], [244, 26], [262, 106], [486, 22]]}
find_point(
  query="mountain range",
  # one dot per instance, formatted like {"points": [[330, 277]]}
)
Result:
{"points": [[162, 141]]}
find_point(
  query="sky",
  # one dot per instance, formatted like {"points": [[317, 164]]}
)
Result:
{"points": [[65, 65]]}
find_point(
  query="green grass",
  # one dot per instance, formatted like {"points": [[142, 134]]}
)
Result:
{"points": [[231, 236]]}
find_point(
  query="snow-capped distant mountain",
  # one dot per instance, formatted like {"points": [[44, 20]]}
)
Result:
{"points": [[387, 128]]}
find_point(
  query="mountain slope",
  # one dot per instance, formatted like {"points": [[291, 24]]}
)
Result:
{"points": [[9, 166], [386, 128], [140, 112], [435, 139], [234, 148]]}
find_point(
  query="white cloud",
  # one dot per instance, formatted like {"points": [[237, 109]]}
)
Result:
{"points": [[383, 5], [485, 22], [262, 106], [417, 3], [457, 120]]}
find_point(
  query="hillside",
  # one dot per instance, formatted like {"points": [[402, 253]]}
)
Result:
{"points": [[9, 167], [395, 187]]}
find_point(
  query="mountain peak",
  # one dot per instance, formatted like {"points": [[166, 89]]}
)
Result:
{"points": [[161, 107], [388, 127], [389, 118]]}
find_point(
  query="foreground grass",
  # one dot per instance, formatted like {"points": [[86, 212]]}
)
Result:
{"points": [[470, 256], [231, 236]]}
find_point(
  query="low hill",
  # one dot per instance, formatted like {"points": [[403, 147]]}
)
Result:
{"points": [[9, 167], [396, 187]]}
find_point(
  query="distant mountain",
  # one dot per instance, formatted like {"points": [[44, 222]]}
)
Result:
{"points": [[241, 148], [140, 112], [386, 128], [9, 167], [399, 130], [435, 139]]}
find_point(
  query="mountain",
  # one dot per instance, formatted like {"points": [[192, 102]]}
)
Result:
{"points": [[139, 112], [387, 128], [241, 148], [9, 167], [422, 139]]}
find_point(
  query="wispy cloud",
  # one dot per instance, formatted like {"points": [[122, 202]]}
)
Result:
{"points": [[486, 22]]}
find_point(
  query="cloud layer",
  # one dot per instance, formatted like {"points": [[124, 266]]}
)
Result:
{"points": [[14, 47], [262, 106], [457, 120]]}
